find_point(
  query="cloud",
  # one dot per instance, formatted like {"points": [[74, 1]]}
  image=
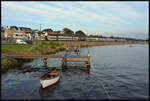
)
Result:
{"points": [[112, 17]]}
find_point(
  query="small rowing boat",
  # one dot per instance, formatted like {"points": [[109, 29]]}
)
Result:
{"points": [[49, 78]]}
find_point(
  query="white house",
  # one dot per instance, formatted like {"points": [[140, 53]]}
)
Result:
{"points": [[14, 34]]}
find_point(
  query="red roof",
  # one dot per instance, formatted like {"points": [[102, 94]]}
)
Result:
{"points": [[10, 32], [51, 33]]}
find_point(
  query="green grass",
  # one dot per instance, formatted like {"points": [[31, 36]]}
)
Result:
{"points": [[16, 47]]}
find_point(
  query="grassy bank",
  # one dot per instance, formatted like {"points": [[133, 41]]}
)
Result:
{"points": [[12, 63], [43, 47]]}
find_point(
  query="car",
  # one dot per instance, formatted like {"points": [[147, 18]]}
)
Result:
{"points": [[28, 41], [19, 41]]}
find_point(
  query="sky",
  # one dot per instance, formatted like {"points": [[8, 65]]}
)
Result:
{"points": [[120, 19]]}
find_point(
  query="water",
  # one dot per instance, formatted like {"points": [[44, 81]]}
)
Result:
{"points": [[117, 72]]}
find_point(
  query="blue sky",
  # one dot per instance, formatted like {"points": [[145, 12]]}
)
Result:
{"points": [[124, 19]]}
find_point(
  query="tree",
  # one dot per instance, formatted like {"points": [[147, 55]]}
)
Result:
{"points": [[68, 31], [79, 33], [112, 36], [39, 33]]}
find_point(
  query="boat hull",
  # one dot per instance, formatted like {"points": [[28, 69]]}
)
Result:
{"points": [[47, 82]]}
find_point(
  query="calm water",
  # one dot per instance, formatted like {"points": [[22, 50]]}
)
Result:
{"points": [[117, 72]]}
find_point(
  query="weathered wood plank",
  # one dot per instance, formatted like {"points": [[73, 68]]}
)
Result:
{"points": [[78, 63], [77, 60], [77, 57], [34, 56], [41, 56]]}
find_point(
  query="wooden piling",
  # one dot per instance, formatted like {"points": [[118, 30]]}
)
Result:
{"points": [[64, 64], [45, 61], [88, 60]]}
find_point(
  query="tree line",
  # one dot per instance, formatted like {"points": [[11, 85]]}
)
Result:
{"points": [[80, 33]]}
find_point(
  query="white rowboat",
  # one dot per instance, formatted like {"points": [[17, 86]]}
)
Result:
{"points": [[49, 78]]}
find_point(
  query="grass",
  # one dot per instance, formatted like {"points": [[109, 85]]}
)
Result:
{"points": [[16, 48], [44, 47]]}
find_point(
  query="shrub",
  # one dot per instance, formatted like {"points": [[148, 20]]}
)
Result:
{"points": [[53, 47], [10, 63]]}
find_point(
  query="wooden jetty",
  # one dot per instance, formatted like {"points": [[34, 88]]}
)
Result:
{"points": [[66, 59]]}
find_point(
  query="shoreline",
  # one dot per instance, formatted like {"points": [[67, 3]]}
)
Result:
{"points": [[12, 63], [89, 44]]}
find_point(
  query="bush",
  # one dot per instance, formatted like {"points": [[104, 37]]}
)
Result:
{"points": [[10, 63], [51, 42], [53, 47]]}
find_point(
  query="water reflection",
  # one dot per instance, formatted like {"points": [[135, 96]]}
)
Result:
{"points": [[46, 92], [77, 69], [35, 69]]}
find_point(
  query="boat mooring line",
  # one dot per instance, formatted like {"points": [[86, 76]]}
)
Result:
{"points": [[109, 97], [106, 91]]}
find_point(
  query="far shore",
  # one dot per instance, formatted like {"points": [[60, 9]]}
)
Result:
{"points": [[102, 43]]}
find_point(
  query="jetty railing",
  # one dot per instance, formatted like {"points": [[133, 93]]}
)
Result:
{"points": [[66, 59]]}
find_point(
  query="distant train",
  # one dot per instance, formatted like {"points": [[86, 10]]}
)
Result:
{"points": [[68, 38]]}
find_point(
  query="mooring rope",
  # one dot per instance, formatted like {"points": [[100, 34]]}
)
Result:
{"points": [[106, 92]]}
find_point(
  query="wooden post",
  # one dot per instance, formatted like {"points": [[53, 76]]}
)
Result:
{"points": [[79, 49], [65, 61], [45, 61], [88, 60], [64, 64]]}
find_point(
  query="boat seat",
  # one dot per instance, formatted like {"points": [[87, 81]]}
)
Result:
{"points": [[53, 73]]}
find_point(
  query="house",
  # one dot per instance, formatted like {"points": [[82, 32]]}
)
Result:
{"points": [[4, 27], [47, 30], [28, 35], [14, 28], [25, 29], [14, 34], [8, 33], [36, 31], [19, 34]]}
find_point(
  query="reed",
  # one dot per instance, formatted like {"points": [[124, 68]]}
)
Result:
{"points": [[12, 63]]}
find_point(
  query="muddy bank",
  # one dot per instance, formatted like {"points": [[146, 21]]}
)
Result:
{"points": [[102, 43]]}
